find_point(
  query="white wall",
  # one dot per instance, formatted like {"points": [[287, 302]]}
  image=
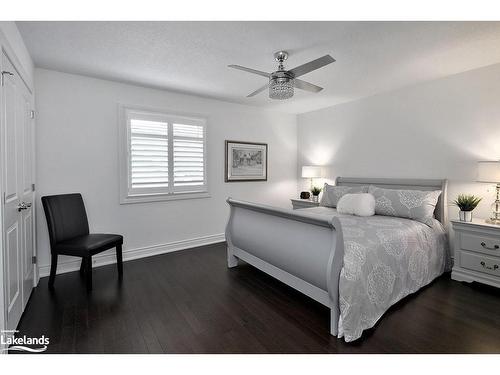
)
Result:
{"points": [[77, 151], [437, 129]]}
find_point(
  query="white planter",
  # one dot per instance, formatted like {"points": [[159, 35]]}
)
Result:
{"points": [[465, 215], [315, 198]]}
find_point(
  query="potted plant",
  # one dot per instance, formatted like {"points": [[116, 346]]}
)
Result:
{"points": [[466, 203], [315, 192]]}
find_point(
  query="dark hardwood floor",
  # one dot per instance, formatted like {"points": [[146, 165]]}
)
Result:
{"points": [[189, 302]]}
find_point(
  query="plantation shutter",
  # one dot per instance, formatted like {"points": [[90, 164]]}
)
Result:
{"points": [[189, 157], [149, 155], [166, 154]]}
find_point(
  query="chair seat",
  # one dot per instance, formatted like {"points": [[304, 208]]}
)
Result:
{"points": [[88, 244]]}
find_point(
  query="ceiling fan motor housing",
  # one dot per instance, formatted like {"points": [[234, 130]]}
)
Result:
{"points": [[280, 57]]}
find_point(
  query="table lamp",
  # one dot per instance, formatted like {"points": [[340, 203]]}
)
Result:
{"points": [[489, 171], [311, 171]]}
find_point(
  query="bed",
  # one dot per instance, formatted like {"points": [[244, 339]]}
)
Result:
{"points": [[356, 266]]}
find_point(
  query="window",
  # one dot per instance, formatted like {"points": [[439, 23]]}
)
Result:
{"points": [[163, 156]]}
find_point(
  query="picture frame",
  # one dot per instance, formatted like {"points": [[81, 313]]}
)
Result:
{"points": [[245, 161]]}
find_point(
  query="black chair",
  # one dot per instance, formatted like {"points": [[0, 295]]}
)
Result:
{"points": [[69, 235]]}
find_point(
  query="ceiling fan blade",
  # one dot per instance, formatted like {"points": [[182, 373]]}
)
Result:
{"points": [[250, 70], [312, 65], [306, 85], [258, 91]]}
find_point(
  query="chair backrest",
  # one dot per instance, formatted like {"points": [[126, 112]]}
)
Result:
{"points": [[66, 217]]}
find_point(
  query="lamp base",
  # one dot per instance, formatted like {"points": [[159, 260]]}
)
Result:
{"points": [[495, 208]]}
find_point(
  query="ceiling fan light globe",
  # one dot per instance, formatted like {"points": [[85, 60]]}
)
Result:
{"points": [[281, 88]]}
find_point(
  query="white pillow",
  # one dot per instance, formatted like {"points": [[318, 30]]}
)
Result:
{"points": [[362, 204]]}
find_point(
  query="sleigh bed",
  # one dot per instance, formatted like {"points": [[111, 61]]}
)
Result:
{"points": [[356, 266]]}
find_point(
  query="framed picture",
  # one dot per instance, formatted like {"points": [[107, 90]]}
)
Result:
{"points": [[245, 161]]}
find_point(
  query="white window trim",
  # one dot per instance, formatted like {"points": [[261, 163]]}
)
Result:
{"points": [[123, 155]]}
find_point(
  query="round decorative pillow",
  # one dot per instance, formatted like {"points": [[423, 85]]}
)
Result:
{"points": [[362, 204]]}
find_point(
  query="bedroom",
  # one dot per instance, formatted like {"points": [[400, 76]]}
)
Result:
{"points": [[152, 176]]}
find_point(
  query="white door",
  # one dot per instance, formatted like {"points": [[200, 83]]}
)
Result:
{"points": [[17, 169], [27, 193]]}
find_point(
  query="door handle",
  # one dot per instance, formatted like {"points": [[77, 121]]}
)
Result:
{"points": [[23, 206]]}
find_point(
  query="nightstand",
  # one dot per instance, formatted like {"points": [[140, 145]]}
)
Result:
{"points": [[303, 203], [477, 252]]}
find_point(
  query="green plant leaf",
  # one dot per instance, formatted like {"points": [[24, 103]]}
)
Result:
{"points": [[316, 190], [466, 202]]}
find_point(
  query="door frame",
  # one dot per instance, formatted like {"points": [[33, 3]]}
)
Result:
{"points": [[6, 49]]}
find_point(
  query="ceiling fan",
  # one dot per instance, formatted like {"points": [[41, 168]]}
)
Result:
{"points": [[282, 82]]}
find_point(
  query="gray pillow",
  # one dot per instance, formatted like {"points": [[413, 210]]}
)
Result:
{"points": [[332, 194], [412, 204]]}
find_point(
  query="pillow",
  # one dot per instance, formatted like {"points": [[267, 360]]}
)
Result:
{"points": [[362, 204], [412, 204], [332, 194]]}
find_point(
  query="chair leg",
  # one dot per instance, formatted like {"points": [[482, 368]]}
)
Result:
{"points": [[53, 270], [119, 260], [82, 266], [88, 272]]}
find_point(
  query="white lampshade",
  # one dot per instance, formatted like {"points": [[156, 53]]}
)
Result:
{"points": [[311, 171], [488, 171]]}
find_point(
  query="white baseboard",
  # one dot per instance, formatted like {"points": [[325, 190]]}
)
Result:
{"points": [[131, 254]]}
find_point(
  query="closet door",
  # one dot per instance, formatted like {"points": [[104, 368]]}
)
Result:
{"points": [[17, 196], [27, 193]]}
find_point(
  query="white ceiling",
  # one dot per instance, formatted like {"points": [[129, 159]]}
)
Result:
{"points": [[192, 57]]}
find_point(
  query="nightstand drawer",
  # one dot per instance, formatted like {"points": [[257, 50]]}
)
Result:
{"points": [[477, 252], [480, 243], [480, 263]]}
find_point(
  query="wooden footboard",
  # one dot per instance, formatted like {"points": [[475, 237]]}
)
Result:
{"points": [[302, 250]]}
